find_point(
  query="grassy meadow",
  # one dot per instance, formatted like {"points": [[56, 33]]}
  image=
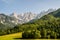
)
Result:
{"points": [[11, 36]]}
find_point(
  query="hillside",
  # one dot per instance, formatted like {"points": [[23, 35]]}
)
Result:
{"points": [[55, 13]]}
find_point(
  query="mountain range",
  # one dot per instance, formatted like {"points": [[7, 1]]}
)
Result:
{"points": [[14, 19]]}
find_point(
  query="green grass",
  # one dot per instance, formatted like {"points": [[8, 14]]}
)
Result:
{"points": [[11, 36]]}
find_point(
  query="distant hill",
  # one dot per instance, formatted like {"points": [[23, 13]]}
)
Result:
{"points": [[55, 13]]}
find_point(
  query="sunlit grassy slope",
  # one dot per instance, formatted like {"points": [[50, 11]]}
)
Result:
{"points": [[11, 36]]}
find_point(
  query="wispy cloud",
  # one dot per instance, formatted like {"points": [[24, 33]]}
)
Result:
{"points": [[8, 1]]}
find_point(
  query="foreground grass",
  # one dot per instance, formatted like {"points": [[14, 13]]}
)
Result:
{"points": [[11, 36]]}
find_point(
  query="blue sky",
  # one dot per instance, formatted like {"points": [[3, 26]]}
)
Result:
{"points": [[21, 6]]}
